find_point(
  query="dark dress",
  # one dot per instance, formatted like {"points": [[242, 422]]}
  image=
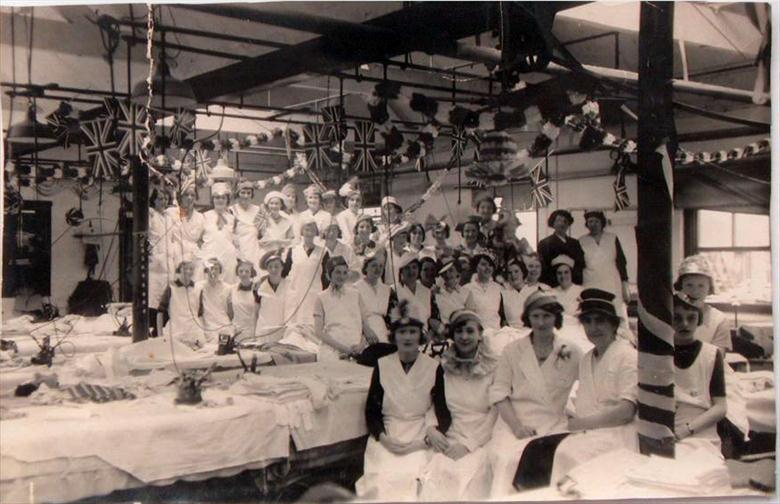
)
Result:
{"points": [[550, 248]]}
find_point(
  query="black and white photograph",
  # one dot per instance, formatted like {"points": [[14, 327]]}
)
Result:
{"points": [[380, 251]]}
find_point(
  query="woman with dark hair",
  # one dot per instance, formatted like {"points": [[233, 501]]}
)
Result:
{"points": [[450, 297], [405, 386], [249, 220], [533, 380], [567, 292], [605, 262], [515, 293], [376, 298], [428, 270], [272, 292], [560, 243], [485, 208], [483, 294], [337, 318], [277, 228], [335, 247], [462, 471], [347, 219], [161, 253], [362, 244], [441, 234], [416, 238], [409, 288]]}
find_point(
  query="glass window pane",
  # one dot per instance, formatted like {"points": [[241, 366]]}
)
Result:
{"points": [[714, 229], [744, 276], [751, 230]]}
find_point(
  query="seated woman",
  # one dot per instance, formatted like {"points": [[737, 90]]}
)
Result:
{"points": [[406, 386], [429, 270], [304, 268], [376, 298], [335, 247], [567, 292], [534, 378], [513, 296], [362, 243], [462, 471], [534, 266], [337, 320], [606, 399], [699, 381], [214, 293], [696, 280], [243, 303], [441, 233], [450, 297], [180, 301], [272, 292], [471, 245], [276, 228], [483, 294], [415, 293], [416, 238]]}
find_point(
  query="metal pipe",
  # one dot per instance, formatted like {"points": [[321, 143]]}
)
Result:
{"points": [[64, 89], [191, 49], [430, 87]]}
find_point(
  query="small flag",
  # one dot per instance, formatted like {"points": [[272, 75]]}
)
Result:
{"points": [[540, 191], [131, 125], [459, 140], [334, 128], [365, 146], [101, 148], [622, 200], [316, 148]]}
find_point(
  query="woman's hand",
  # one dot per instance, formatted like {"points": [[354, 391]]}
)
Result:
{"points": [[393, 445], [626, 293], [370, 335], [456, 451], [437, 440], [521, 431]]}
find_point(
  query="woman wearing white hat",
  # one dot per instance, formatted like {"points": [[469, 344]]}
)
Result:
{"points": [[314, 211], [187, 231], [567, 292], [249, 220], [422, 303], [161, 250], [462, 471], [272, 291], [392, 216], [347, 219], [277, 229], [219, 237], [533, 380], [305, 269]]}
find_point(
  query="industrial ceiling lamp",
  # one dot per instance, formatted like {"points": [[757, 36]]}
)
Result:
{"points": [[178, 94], [29, 131], [222, 171]]}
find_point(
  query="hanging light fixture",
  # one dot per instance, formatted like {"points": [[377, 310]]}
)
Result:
{"points": [[30, 132], [178, 94], [222, 171]]}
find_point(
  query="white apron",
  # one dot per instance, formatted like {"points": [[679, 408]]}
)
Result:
{"points": [[346, 220], [485, 299], [514, 301], [243, 303], [183, 322], [419, 301], [407, 399], [272, 317], [305, 283], [246, 233], [219, 243], [185, 238], [374, 303], [538, 396], [342, 321], [473, 417], [214, 303], [600, 270], [692, 392], [450, 302], [715, 328], [322, 218], [276, 233]]}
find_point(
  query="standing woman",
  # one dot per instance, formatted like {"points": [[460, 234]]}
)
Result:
{"points": [[277, 229], [243, 304], [533, 380], [213, 306], [161, 251], [485, 208], [305, 269], [560, 243], [392, 216], [605, 262], [441, 234], [362, 243], [405, 386], [376, 299], [314, 211], [188, 223], [291, 205], [218, 236], [347, 219], [335, 247], [696, 280], [399, 238], [429, 270], [513, 296], [249, 219], [272, 293], [483, 294], [462, 471], [472, 244]]}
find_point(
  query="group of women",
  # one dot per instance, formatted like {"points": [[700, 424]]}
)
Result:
{"points": [[481, 341]]}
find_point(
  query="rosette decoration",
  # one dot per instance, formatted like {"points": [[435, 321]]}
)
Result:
{"points": [[499, 160]]}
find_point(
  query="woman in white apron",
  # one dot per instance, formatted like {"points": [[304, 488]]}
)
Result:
{"points": [[291, 205], [214, 293], [406, 386], [699, 379], [314, 211], [181, 300], [534, 266], [276, 231], [272, 293], [218, 236], [450, 297], [243, 303], [606, 399], [462, 471], [483, 294], [375, 299], [249, 218], [513, 296], [605, 262], [161, 265], [304, 268], [398, 239], [337, 320], [363, 245], [335, 247], [187, 234], [533, 380], [347, 219], [409, 289]]}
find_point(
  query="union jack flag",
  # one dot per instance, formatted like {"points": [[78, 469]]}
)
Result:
{"points": [[540, 190], [622, 200], [183, 126], [112, 108], [202, 164], [101, 148], [365, 146], [316, 147], [459, 140], [335, 127], [60, 125], [131, 125]]}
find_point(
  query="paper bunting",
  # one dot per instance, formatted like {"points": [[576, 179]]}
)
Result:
{"points": [[540, 188], [131, 125], [334, 128], [316, 147], [365, 146], [101, 148]]}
